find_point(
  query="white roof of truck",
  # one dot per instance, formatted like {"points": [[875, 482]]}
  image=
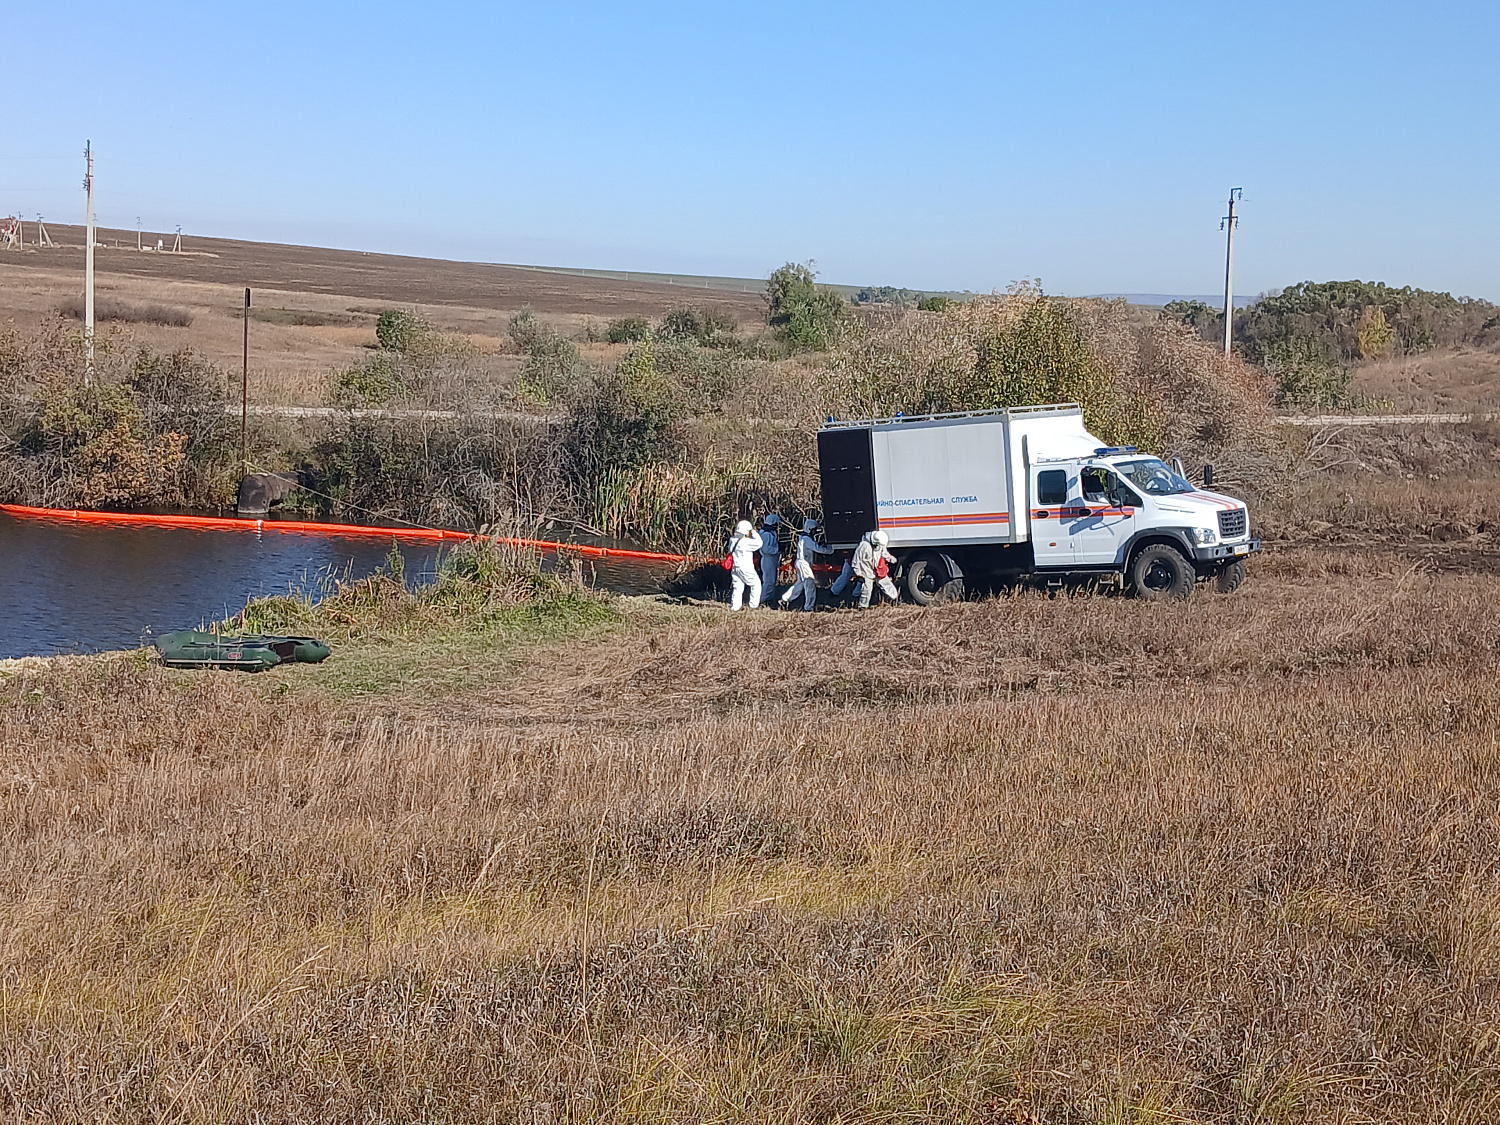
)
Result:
{"points": [[1061, 409]]}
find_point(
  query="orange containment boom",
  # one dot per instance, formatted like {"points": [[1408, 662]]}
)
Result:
{"points": [[308, 527]]}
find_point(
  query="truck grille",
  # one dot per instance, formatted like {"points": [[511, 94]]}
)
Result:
{"points": [[1232, 523]]}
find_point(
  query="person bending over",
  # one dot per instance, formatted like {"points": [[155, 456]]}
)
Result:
{"points": [[872, 563]]}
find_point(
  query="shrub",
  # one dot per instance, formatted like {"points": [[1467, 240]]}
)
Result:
{"points": [[806, 316], [552, 365], [399, 330], [711, 327], [109, 308], [375, 382], [94, 444], [1308, 374], [886, 295], [935, 304], [627, 417], [628, 330]]}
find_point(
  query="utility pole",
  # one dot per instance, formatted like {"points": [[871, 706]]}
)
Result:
{"points": [[1228, 224], [137, 232], [88, 267], [245, 392]]}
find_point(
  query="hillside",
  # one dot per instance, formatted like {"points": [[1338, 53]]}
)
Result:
{"points": [[315, 308]]}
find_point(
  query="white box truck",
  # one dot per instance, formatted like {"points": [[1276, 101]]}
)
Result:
{"points": [[1006, 494]]}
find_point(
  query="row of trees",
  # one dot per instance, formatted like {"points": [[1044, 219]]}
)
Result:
{"points": [[1310, 334]]}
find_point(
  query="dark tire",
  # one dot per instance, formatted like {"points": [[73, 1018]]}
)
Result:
{"points": [[1231, 578], [928, 581], [1160, 573]]}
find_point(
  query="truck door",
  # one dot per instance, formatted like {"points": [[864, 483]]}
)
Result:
{"points": [[1051, 544], [1104, 519]]}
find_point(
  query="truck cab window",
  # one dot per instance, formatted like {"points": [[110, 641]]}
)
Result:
{"points": [[1095, 484], [1052, 487]]}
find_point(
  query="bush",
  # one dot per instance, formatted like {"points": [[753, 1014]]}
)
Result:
{"points": [[94, 448], [711, 327], [806, 316], [628, 330], [376, 382], [399, 330], [886, 295], [1308, 374], [109, 308], [935, 304], [460, 472], [627, 417], [552, 365]]}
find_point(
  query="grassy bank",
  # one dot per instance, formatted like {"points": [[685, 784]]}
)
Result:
{"points": [[1025, 859]]}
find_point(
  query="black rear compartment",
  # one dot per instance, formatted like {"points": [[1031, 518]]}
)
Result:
{"points": [[846, 464]]}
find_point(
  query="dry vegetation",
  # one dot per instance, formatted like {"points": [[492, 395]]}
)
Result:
{"points": [[1019, 860], [521, 853]]}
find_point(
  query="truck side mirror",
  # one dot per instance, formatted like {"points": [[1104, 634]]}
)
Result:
{"points": [[1208, 476]]}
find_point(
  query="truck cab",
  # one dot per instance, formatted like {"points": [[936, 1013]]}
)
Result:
{"points": [[1095, 514]]}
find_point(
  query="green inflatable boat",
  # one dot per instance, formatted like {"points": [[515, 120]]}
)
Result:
{"points": [[193, 649]]}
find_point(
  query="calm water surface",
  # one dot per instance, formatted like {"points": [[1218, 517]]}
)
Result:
{"points": [[67, 587]]}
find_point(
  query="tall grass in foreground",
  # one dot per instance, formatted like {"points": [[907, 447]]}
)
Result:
{"points": [[1023, 860]]}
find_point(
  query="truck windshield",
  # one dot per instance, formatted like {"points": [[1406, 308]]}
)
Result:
{"points": [[1154, 477]]}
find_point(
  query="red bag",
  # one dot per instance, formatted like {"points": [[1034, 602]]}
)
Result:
{"points": [[882, 569], [728, 563]]}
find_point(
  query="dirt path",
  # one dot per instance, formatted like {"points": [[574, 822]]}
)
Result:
{"points": [[1386, 419]]}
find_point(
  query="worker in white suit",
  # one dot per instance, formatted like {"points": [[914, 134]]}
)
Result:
{"points": [[742, 577], [770, 554], [808, 548], [868, 557]]}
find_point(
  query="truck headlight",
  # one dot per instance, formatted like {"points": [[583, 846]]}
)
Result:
{"points": [[1203, 536]]}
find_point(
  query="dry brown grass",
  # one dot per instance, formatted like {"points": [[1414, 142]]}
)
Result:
{"points": [[1068, 860], [167, 316], [1440, 381], [1428, 492]]}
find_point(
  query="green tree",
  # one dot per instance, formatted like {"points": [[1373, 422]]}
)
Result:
{"points": [[806, 315]]}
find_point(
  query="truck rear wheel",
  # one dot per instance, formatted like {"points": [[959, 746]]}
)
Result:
{"points": [[928, 581], [1159, 572], [1231, 578]]}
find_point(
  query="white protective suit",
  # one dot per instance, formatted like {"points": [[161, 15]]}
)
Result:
{"points": [[742, 575], [770, 557], [808, 548], [866, 555]]}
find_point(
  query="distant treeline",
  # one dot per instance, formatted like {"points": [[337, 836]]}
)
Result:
{"points": [[1350, 321], [1309, 334]]}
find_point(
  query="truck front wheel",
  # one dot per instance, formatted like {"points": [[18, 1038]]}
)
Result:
{"points": [[1231, 578], [929, 582], [1159, 572]]}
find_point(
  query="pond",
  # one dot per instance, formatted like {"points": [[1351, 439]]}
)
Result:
{"points": [[71, 588]]}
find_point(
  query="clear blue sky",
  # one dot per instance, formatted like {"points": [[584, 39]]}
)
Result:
{"points": [[961, 145]]}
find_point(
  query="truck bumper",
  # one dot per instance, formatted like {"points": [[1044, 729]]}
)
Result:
{"points": [[1226, 552]]}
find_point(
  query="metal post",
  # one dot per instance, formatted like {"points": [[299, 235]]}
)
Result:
{"points": [[1234, 194], [245, 392], [88, 267]]}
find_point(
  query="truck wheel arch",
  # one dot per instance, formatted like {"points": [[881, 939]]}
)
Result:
{"points": [[919, 565], [1165, 537]]}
